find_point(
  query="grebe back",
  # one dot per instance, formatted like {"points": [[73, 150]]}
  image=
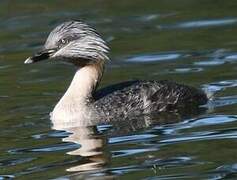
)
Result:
{"points": [[77, 43]]}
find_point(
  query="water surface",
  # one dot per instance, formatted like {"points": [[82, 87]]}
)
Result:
{"points": [[188, 41]]}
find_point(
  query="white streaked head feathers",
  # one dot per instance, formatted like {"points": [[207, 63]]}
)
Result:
{"points": [[75, 40]]}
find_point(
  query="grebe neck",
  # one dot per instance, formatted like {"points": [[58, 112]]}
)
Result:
{"points": [[83, 84], [74, 106]]}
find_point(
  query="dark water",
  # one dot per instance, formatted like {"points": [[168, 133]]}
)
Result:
{"points": [[189, 41]]}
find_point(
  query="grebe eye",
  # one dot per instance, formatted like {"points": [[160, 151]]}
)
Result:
{"points": [[63, 41]]}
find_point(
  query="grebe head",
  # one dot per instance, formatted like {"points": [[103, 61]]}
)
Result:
{"points": [[74, 42]]}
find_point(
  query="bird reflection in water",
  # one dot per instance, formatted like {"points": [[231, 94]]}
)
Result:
{"points": [[96, 157], [92, 144]]}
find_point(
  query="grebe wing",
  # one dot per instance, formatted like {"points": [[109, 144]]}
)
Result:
{"points": [[112, 88], [149, 96]]}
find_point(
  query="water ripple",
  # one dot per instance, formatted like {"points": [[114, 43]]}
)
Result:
{"points": [[173, 129], [218, 57], [156, 164], [124, 139], [55, 134], [202, 23], [2, 177], [232, 168], [214, 87], [222, 101], [50, 148], [14, 162], [128, 152], [154, 57], [200, 137], [185, 70]]}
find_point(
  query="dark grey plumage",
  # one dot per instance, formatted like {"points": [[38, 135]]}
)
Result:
{"points": [[136, 97]]}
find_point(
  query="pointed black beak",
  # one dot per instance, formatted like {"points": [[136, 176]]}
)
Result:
{"points": [[42, 55]]}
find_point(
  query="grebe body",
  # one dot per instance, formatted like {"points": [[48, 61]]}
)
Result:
{"points": [[77, 43]]}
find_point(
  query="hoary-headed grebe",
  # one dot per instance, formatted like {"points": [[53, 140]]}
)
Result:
{"points": [[81, 45]]}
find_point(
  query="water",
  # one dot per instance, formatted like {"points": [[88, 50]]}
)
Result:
{"points": [[189, 41]]}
